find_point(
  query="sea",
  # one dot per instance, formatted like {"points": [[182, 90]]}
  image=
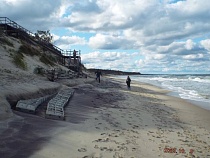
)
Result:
{"points": [[194, 88]]}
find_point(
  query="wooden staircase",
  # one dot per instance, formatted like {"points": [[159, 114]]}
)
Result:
{"points": [[11, 28]]}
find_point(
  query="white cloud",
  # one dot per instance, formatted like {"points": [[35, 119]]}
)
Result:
{"points": [[158, 56], [166, 69], [206, 44], [34, 15], [11, 2], [110, 60], [65, 42], [110, 41], [189, 44], [193, 56], [163, 32], [72, 40]]}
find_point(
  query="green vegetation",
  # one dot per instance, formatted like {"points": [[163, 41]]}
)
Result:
{"points": [[39, 70], [11, 50], [18, 60], [5, 70], [53, 59], [5, 47], [6, 41], [26, 49], [47, 59]]}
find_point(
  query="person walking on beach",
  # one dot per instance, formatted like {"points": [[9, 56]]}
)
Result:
{"points": [[128, 81], [98, 74], [74, 55]]}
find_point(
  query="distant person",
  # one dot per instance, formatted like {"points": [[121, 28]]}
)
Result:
{"points": [[74, 55], [98, 74], [128, 82]]}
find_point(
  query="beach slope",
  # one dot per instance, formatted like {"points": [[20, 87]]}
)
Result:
{"points": [[108, 120]]}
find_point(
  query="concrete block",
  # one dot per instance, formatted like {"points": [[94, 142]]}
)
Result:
{"points": [[55, 107], [30, 105]]}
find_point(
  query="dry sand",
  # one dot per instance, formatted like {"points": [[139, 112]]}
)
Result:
{"points": [[110, 121]]}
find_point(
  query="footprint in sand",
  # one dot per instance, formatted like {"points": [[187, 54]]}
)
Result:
{"points": [[94, 155], [96, 146], [135, 131], [103, 148], [113, 135], [165, 141], [122, 133], [98, 140], [82, 150], [106, 128], [102, 140], [130, 123], [86, 157], [123, 148], [135, 126], [117, 155]]}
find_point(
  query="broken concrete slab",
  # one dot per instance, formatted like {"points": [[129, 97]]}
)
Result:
{"points": [[55, 107]]}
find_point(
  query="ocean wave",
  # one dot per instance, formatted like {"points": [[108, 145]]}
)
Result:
{"points": [[191, 87], [197, 79]]}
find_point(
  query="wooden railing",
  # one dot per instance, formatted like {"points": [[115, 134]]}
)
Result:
{"points": [[5, 20]]}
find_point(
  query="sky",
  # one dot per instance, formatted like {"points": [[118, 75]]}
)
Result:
{"points": [[146, 36]]}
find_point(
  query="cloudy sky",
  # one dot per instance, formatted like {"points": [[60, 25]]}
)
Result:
{"points": [[148, 36]]}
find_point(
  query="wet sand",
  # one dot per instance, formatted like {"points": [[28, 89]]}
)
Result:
{"points": [[108, 120]]}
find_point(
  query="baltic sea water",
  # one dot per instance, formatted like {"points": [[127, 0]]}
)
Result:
{"points": [[191, 87]]}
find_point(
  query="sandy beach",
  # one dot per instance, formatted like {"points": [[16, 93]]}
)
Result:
{"points": [[102, 120], [108, 120]]}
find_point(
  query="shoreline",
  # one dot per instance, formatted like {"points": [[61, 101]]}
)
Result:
{"points": [[174, 100], [108, 120], [199, 103], [196, 105]]}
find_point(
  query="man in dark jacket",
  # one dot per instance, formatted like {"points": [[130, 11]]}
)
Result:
{"points": [[128, 81], [98, 74]]}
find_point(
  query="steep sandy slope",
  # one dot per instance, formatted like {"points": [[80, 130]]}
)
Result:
{"points": [[18, 81]]}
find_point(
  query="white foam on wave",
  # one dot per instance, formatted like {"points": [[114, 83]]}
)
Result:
{"points": [[186, 86], [197, 79], [192, 95], [183, 92]]}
